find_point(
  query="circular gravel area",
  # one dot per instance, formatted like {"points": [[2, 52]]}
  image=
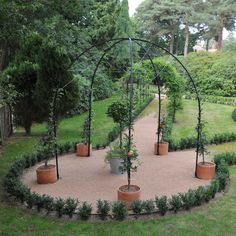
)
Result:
{"points": [[89, 178]]}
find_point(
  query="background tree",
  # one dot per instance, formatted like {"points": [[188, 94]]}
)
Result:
{"points": [[16, 20], [54, 73], [158, 20], [223, 14], [22, 75], [37, 69], [123, 29], [229, 44]]}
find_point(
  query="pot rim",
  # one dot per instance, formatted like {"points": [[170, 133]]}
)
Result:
{"points": [[164, 142], [210, 164], [83, 144], [139, 189], [49, 167]]}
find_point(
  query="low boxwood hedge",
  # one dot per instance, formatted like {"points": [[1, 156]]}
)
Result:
{"points": [[183, 201]]}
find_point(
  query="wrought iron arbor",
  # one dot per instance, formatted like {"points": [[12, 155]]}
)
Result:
{"points": [[139, 42]]}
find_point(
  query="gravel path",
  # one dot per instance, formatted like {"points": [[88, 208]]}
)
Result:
{"points": [[89, 179]]}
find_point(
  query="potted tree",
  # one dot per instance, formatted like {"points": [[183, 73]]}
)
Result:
{"points": [[118, 111], [82, 149], [48, 173], [129, 193], [204, 169], [161, 147]]}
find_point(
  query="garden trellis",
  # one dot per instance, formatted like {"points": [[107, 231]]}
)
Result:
{"points": [[111, 44]]}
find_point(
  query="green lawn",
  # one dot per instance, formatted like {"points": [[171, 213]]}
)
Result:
{"points": [[70, 128], [215, 218], [226, 147], [217, 117]]}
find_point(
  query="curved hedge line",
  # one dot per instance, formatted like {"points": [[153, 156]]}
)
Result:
{"points": [[212, 99], [116, 210], [234, 115], [191, 142]]}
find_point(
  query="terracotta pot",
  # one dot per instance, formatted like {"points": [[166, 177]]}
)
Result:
{"points": [[82, 150], [129, 196], [163, 148], [46, 174], [206, 170]]}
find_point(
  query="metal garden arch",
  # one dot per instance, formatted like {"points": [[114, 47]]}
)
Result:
{"points": [[138, 42]]}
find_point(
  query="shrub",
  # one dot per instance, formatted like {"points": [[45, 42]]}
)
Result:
{"points": [[234, 115], [137, 206], [190, 142], [199, 195], [59, 206], [70, 206], [212, 99], [103, 208], [60, 149], [175, 203], [119, 210], [20, 191], [48, 203], [39, 201], [223, 180], [162, 204], [229, 157], [67, 147], [188, 199], [214, 187], [222, 168], [84, 211], [98, 146], [214, 74], [33, 159], [39, 156], [148, 206], [30, 200], [208, 193]]}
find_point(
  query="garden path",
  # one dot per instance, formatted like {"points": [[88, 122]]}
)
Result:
{"points": [[89, 179]]}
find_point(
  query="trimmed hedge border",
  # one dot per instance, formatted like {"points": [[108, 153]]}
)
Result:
{"points": [[116, 210], [234, 115], [212, 99], [191, 142]]}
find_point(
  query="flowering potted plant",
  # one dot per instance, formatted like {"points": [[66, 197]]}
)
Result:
{"points": [[161, 146], [129, 193]]}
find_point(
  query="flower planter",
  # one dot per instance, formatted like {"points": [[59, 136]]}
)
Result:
{"points": [[115, 164], [46, 174], [206, 170], [128, 196], [82, 150], [163, 148]]}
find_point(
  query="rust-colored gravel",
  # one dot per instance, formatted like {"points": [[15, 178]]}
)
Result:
{"points": [[89, 178]]}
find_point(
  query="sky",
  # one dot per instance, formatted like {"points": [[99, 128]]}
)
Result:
{"points": [[133, 5]]}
